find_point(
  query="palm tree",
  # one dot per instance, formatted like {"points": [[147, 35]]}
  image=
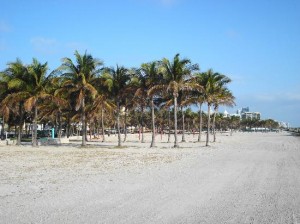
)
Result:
{"points": [[176, 75], [197, 97], [141, 97], [4, 109], [36, 91], [57, 107], [184, 100], [117, 79], [212, 83], [222, 97], [15, 82], [78, 79], [152, 77], [102, 104]]}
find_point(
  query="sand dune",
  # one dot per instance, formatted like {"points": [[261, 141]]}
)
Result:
{"points": [[244, 178]]}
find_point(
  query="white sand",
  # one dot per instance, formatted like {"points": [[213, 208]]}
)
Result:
{"points": [[244, 178]]}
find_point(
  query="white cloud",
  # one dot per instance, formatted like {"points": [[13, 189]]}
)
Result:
{"points": [[45, 45], [52, 46]]}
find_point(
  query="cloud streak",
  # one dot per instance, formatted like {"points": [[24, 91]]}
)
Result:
{"points": [[52, 46], [45, 45], [4, 27]]}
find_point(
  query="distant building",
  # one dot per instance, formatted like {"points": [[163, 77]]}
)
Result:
{"points": [[245, 110], [226, 114], [243, 113], [250, 115], [284, 124]]}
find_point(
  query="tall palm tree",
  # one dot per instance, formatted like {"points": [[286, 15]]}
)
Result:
{"points": [[141, 97], [177, 74], [197, 97], [4, 109], [16, 78], [212, 83], [78, 78], [36, 91], [152, 78], [117, 79]]}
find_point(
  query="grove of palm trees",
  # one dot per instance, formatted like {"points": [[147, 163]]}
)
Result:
{"points": [[83, 97]]}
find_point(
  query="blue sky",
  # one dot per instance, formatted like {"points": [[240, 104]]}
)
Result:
{"points": [[256, 43]]}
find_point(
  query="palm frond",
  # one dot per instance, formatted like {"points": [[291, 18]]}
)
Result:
{"points": [[30, 103]]}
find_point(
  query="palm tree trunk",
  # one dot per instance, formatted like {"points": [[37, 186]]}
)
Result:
{"points": [[118, 124], [20, 124], [214, 123], [90, 129], [175, 122], [142, 123], [183, 134], [200, 122], [59, 126], [102, 124], [125, 125], [83, 123], [2, 129], [153, 123], [169, 124], [34, 134], [208, 125], [68, 128]]}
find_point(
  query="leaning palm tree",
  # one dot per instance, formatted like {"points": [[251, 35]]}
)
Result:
{"points": [[78, 78], [117, 79], [177, 74]]}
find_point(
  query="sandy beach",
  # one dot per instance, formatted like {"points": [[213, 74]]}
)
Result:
{"points": [[244, 178]]}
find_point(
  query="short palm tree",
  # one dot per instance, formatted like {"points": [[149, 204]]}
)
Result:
{"points": [[56, 108], [177, 74], [222, 97], [78, 78]]}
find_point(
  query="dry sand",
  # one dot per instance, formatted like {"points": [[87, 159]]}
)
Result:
{"points": [[244, 178]]}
